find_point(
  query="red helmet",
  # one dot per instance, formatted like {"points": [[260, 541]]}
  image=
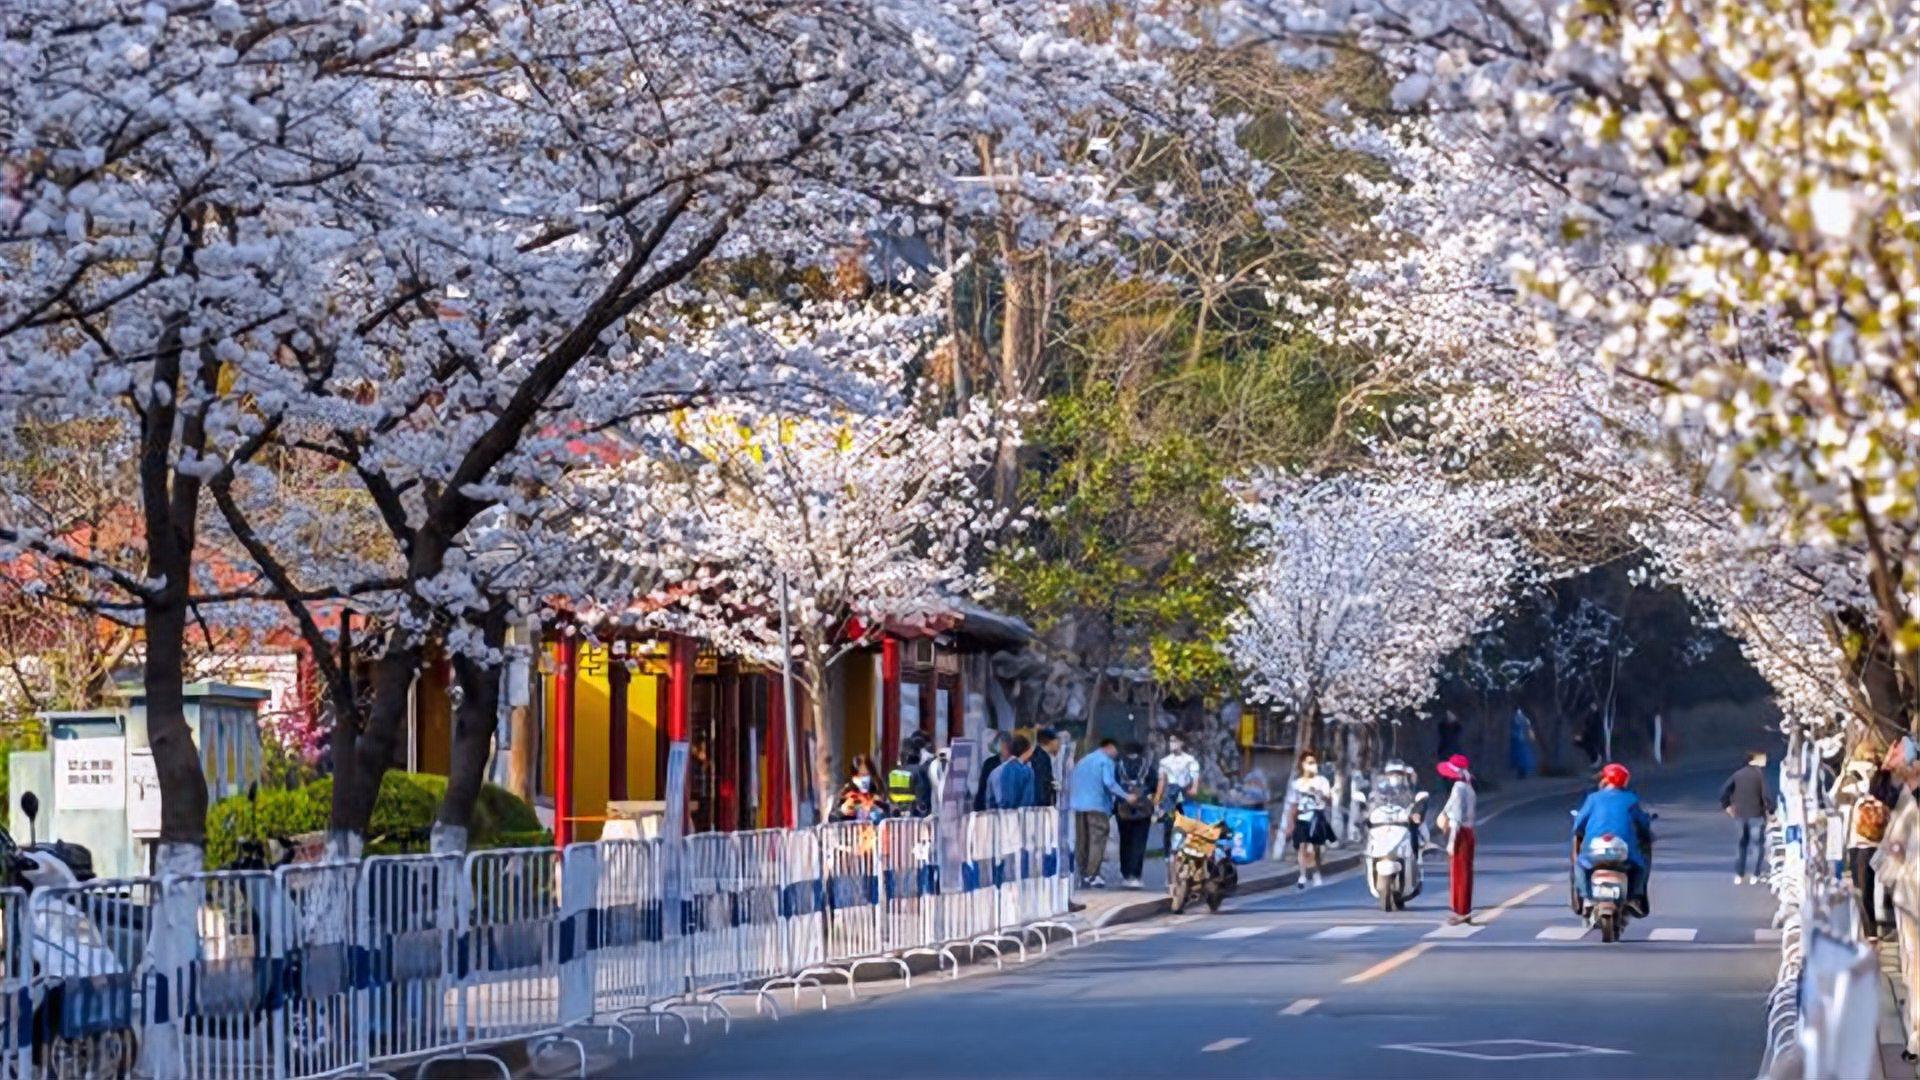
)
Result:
{"points": [[1615, 775]]}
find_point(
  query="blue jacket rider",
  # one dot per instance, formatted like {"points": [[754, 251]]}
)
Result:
{"points": [[1614, 810]]}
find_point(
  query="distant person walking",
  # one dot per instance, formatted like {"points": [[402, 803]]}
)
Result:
{"points": [[1179, 775], [1457, 820], [1860, 795], [1012, 785], [1132, 811], [1746, 798], [1046, 743], [996, 753], [1093, 797], [1521, 744], [1309, 796]]}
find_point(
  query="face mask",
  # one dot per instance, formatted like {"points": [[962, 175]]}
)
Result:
{"points": [[864, 783], [1310, 769]]}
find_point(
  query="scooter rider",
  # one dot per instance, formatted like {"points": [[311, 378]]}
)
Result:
{"points": [[1613, 810]]}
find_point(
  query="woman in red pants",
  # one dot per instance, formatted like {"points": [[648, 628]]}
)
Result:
{"points": [[1457, 819]]}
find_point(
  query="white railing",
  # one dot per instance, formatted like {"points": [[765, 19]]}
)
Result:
{"points": [[323, 970], [1824, 1008]]}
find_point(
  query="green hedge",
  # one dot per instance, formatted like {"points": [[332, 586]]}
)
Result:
{"points": [[402, 816]]}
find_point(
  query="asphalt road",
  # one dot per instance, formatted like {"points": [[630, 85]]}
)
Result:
{"points": [[1321, 983]]}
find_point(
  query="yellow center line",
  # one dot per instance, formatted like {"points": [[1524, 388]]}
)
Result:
{"points": [[1408, 955]]}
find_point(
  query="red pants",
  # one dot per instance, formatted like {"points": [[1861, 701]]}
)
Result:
{"points": [[1460, 872]]}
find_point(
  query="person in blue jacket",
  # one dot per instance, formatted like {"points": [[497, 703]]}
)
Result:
{"points": [[1615, 810]]}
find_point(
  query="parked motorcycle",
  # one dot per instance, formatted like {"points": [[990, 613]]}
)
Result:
{"points": [[82, 992], [1394, 814], [1203, 865]]}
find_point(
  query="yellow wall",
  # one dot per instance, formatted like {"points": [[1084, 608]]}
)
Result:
{"points": [[859, 727], [591, 741]]}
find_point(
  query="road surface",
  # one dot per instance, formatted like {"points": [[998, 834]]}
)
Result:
{"points": [[1321, 983]]}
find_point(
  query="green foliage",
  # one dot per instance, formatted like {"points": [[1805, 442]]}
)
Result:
{"points": [[402, 816]]}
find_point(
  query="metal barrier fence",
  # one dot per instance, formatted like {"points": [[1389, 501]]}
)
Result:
{"points": [[1824, 1007], [321, 970], [16, 972]]}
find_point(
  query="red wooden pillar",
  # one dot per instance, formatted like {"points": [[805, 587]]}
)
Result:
{"points": [[564, 652], [889, 741], [779, 805], [680, 655]]}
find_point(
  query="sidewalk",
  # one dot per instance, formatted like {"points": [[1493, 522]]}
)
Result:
{"points": [[1893, 1005], [1113, 904]]}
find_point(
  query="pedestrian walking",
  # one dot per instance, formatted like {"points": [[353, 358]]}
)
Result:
{"points": [[1896, 867], [1132, 811], [1457, 820], [1012, 784], [1520, 744], [1745, 797], [1179, 775], [1309, 796], [860, 798], [1046, 789], [1858, 794], [1092, 798]]}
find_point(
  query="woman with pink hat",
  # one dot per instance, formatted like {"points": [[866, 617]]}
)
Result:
{"points": [[1456, 820]]}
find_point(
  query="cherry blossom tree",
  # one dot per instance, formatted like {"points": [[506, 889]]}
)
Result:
{"points": [[423, 247], [853, 522], [1363, 585], [1730, 191]]}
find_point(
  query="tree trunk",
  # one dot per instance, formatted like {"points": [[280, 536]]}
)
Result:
{"points": [[474, 719], [361, 758], [823, 778], [176, 759], [1303, 733]]}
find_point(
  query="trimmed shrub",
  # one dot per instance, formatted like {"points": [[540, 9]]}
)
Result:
{"points": [[402, 819]]}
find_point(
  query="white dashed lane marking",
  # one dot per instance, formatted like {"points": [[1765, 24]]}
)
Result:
{"points": [[1562, 933], [1673, 933], [1300, 1007], [1766, 934], [1455, 930], [1221, 1044], [1342, 933], [1233, 932]]}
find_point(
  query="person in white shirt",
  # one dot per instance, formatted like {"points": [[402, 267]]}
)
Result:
{"points": [[1456, 820], [1309, 796], [1179, 775]]}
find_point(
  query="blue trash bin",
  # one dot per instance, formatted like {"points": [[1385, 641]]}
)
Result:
{"points": [[1249, 844]]}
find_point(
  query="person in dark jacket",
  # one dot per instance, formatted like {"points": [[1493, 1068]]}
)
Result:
{"points": [[1746, 799], [996, 754], [1046, 743]]}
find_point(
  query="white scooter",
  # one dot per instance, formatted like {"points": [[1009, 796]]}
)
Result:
{"points": [[1393, 840], [82, 996]]}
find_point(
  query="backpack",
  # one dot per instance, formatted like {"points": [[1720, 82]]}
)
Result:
{"points": [[1133, 783], [1870, 819]]}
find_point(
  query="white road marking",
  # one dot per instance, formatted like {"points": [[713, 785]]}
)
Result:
{"points": [[1342, 933], [1455, 930], [1504, 1049], [1300, 1007], [1562, 933], [1145, 932], [1221, 1044], [1673, 933], [1233, 932], [1766, 933]]}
